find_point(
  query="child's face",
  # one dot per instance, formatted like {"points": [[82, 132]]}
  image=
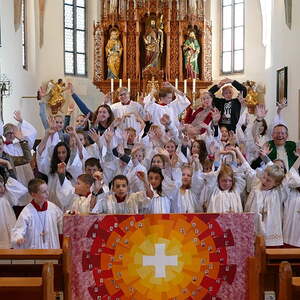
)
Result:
{"points": [[206, 100], [10, 134], [120, 188], [157, 162], [124, 97], [139, 155], [225, 182], [224, 134], [227, 93], [154, 179], [59, 123], [62, 153], [91, 170], [43, 194], [280, 164], [80, 121], [167, 99], [81, 188], [195, 148], [131, 137], [186, 177], [81, 138], [267, 182], [2, 189], [207, 168], [103, 114], [170, 147]]}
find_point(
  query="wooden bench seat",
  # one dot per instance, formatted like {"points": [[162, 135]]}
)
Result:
{"points": [[32, 288]]}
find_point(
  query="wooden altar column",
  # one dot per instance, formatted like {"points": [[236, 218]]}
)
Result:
{"points": [[124, 76], [180, 52], [137, 43]]}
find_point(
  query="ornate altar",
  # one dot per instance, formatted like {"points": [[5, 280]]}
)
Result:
{"points": [[157, 39]]}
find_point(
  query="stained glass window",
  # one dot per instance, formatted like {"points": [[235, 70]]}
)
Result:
{"points": [[24, 35], [232, 36], [75, 37]]}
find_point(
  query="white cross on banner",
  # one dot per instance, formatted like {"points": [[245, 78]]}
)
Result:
{"points": [[160, 260]]}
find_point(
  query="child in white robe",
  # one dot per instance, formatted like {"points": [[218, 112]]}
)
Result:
{"points": [[40, 222], [186, 198], [10, 192], [120, 201]]}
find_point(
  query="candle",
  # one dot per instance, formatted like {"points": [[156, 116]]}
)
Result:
{"points": [[176, 83], [128, 85], [194, 85], [185, 86], [112, 85], [120, 82]]}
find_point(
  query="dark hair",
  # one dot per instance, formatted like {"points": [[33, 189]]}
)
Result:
{"points": [[158, 171], [86, 178], [264, 123], [202, 150], [281, 125], [93, 162], [55, 161], [34, 185], [110, 112], [164, 91], [161, 157], [118, 177]]}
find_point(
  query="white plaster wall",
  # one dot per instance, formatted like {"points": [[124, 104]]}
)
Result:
{"points": [[285, 45]]}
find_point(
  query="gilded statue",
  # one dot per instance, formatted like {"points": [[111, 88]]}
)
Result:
{"points": [[154, 43], [191, 50], [254, 95], [113, 51], [55, 91]]}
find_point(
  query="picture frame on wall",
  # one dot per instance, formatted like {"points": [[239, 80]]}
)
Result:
{"points": [[282, 83]]}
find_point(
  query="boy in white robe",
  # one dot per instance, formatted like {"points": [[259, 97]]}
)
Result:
{"points": [[10, 192], [40, 222], [166, 106]]}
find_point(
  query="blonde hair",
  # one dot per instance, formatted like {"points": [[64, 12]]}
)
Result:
{"points": [[226, 87], [276, 173], [226, 170]]}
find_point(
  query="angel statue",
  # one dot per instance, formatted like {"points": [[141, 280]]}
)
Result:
{"points": [[113, 51], [55, 91]]}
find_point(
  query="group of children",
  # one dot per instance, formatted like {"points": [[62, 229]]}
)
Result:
{"points": [[157, 156]]}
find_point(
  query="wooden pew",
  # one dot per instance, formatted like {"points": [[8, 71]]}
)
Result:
{"points": [[33, 288], [289, 286], [29, 263], [266, 266]]}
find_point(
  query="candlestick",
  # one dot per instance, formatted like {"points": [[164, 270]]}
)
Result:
{"points": [[120, 82], [194, 85], [112, 85], [176, 83], [128, 85], [185, 86]]}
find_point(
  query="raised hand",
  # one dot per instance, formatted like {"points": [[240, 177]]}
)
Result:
{"points": [[232, 138], [94, 135], [108, 98], [70, 130], [42, 92], [165, 120], [70, 87], [108, 135], [18, 116], [71, 108], [216, 116], [61, 168], [141, 175], [261, 112], [18, 133], [147, 117]]}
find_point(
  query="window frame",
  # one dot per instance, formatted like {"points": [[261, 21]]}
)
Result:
{"points": [[24, 35], [75, 30], [233, 50]]}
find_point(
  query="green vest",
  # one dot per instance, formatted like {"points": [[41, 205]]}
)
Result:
{"points": [[289, 147]]}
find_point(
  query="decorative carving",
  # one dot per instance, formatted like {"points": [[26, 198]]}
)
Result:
{"points": [[130, 17]]}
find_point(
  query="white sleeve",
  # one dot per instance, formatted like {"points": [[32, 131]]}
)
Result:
{"points": [[29, 133], [197, 182], [15, 190], [75, 168], [65, 194], [179, 104], [20, 229]]}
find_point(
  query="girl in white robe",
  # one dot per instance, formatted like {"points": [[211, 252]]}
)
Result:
{"points": [[9, 195], [186, 198]]}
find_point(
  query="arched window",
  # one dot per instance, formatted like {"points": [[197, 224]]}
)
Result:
{"points": [[24, 35], [75, 36], [232, 36]]}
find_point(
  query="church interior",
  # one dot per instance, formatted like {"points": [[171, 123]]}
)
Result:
{"points": [[132, 211]]}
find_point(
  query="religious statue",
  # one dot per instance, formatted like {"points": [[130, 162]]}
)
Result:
{"points": [[191, 50], [113, 51], [153, 42], [254, 95], [55, 91]]}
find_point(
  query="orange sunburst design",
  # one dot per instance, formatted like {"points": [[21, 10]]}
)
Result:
{"points": [[158, 257]]}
